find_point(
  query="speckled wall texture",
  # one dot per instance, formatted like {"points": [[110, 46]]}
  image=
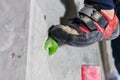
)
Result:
{"points": [[23, 31]]}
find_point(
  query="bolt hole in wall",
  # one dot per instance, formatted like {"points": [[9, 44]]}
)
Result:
{"points": [[13, 56]]}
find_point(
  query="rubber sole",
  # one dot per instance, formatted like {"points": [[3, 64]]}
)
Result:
{"points": [[74, 40]]}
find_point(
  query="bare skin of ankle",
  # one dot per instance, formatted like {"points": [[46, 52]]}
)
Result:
{"points": [[110, 13]]}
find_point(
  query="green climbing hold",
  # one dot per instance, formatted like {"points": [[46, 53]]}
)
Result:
{"points": [[51, 45]]}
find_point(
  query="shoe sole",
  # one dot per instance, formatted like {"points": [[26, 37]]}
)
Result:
{"points": [[74, 40]]}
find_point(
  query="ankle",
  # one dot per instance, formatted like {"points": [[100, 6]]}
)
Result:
{"points": [[110, 13]]}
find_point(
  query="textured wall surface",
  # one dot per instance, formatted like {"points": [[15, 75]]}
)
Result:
{"points": [[23, 31], [66, 63], [13, 38]]}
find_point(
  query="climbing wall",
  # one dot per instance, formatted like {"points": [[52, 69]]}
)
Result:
{"points": [[66, 63], [13, 38], [24, 27]]}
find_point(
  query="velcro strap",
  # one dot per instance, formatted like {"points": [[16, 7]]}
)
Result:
{"points": [[100, 19], [87, 10], [95, 15], [89, 23]]}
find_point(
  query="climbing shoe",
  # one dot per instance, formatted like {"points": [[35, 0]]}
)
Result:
{"points": [[90, 26]]}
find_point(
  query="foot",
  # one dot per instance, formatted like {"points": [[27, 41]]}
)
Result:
{"points": [[90, 26]]}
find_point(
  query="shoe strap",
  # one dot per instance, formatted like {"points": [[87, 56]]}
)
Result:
{"points": [[94, 15]]}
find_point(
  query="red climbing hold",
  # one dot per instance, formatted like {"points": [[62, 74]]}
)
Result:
{"points": [[90, 73]]}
